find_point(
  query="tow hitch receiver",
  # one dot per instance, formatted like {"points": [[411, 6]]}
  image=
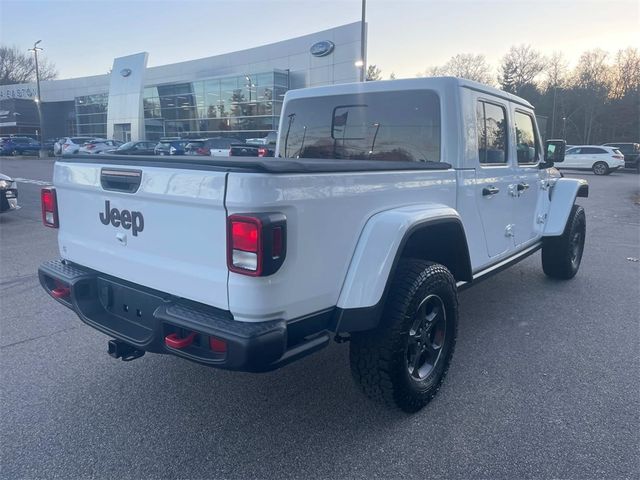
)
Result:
{"points": [[119, 349]]}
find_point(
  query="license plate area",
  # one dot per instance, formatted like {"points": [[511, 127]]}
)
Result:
{"points": [[128, 303]]}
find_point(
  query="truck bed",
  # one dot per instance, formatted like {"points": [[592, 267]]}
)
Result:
{"points": [[256, 164]]}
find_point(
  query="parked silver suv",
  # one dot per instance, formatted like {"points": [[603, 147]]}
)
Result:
{"points": [[69, 144]]}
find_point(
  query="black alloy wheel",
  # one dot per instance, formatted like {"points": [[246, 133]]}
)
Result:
{"points": [[426, 337]]}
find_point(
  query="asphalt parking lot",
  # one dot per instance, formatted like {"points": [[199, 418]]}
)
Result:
{"points": [[544, 383]]}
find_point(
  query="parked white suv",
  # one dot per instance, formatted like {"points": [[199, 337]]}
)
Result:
{"points": [[69, 145], [600, 159], [99, 145], [384, 200]]}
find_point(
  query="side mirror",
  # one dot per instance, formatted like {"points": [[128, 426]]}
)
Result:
{"points": [[554, 152]]}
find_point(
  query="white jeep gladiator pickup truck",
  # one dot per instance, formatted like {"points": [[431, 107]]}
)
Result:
{"points": [[384, 200]]}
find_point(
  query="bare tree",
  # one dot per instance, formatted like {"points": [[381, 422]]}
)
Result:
{"points": [[433, 71], [555, 71], [17, 66], [591, 83], [519, 67], [469, 66], [463, 65], [625, 74], [556, 78], [373, 73], [592, 71]]}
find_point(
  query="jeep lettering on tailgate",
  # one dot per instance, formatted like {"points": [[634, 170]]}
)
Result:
{"points": [[125, 218]]}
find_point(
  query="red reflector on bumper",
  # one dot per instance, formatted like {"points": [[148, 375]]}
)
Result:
{"points": [[217, 345]]}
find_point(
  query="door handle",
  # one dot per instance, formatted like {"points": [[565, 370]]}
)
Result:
{"points": [[490, 190], [522, 187]]}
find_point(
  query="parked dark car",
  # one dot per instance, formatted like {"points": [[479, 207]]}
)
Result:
{"points": [[170, 147], [631, 152], [198, 147], [134, 148], [248, 150], [8, 194], [214, 147], [19, 146]]}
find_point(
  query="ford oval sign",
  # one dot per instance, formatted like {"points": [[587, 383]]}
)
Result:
{"points": [[125, 72], [322, 48]]}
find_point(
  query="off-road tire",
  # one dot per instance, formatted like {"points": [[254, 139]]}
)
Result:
{"points": [[601, 168], [560, 259], [379, 363]]}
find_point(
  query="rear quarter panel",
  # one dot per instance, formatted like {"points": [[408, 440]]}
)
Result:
{"points": [[326, 214]]}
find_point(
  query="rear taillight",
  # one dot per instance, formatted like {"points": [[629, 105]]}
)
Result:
{"points": [[262, 152], [91, 147], [65, 146], [256, 243], [619, 157], [49, 207]]}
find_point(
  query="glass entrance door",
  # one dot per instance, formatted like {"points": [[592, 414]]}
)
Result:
{"points": [[122, 132]]}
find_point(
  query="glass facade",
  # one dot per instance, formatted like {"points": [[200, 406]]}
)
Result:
{"points": [[91, 115], [242, 106]]}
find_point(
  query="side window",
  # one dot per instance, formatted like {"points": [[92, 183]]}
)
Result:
{"points": [[526, 138], [590, 150], [492, 134]]}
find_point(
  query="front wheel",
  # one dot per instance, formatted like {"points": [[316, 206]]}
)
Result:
{"points": [[404, 360], [600, 168], [561, 256]]}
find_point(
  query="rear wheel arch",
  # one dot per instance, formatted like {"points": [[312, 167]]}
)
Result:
{"points": [[440, 240]]}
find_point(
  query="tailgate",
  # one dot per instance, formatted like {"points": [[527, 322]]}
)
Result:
{"points": [[168, 234]]}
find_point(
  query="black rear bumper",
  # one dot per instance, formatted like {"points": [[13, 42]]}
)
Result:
{"points": [[143, 318]]}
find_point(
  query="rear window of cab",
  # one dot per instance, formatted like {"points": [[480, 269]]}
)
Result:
{"points": [[390, 126]]}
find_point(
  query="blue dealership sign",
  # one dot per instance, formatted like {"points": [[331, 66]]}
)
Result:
{"points": [[322, 48]]}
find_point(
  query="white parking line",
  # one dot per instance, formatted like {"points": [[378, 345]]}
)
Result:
{"points": [[33, 182]]}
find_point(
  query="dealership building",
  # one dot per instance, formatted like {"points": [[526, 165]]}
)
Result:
{"points": [[238, 94]]}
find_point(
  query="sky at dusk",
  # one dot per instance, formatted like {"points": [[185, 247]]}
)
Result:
{"points": [[82, 37]]}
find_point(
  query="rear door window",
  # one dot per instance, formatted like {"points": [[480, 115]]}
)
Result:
{"points": [[626, 148], [401, 126], [593, 151], [492, 133]]}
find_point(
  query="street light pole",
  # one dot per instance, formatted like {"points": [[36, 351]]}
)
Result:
{"points": [[363, 48], [43, 150]]}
